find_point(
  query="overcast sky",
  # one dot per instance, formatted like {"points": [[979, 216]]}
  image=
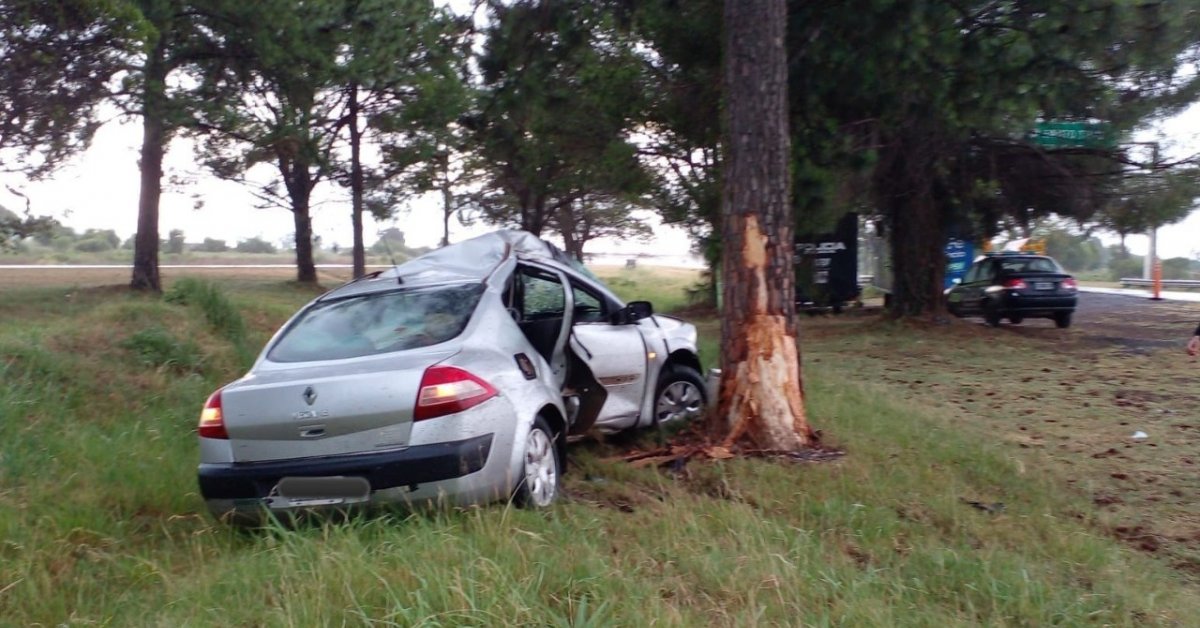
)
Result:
{"points": [[99, 189]]}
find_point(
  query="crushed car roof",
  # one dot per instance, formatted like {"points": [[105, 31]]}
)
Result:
{"points": [[469, 260]]}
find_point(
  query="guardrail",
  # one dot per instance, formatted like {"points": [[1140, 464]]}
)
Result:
{"points": [[1177, 284]]}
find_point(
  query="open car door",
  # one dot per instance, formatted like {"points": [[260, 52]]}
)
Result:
{"points": [[540, 302]]}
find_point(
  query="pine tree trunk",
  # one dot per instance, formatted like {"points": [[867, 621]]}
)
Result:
{"points": [[447, 198], [154, 138], [446, 218], [918, 259], [918, 234], [356, 187], [761, 397], [566, 228], [300, 191]]}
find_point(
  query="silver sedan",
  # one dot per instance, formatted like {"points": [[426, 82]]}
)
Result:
{"points": [[453, 378]]}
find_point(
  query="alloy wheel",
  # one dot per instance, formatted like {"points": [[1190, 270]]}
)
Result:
{"points": [[541, 468], [679, 400]]}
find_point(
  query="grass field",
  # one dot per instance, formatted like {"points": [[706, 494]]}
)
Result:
{"points": [[100, 522]]}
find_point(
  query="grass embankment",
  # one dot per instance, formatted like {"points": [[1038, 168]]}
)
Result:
{"points": [[100, 521]]}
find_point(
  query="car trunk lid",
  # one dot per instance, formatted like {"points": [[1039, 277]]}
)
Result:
{"points": [[1038, 284], [324, 409]]}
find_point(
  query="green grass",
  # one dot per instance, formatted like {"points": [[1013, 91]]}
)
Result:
{"points": [[100, 522], [666, 288]]}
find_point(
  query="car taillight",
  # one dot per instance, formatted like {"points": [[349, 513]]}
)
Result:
{"points": [[212, 423], [1069, 284], [448, 389], [1014, 284]]}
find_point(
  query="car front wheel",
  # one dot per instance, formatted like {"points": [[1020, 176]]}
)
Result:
{"points": [[538, 486], [680, 395]]}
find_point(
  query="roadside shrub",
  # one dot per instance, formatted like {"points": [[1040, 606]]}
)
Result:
{"points": [[218, 310], [93, 245], [1125, 267], [211, 245], [156, 347], [1178, 268], [254, 245]]}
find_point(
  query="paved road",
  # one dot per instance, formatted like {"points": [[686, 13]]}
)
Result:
{"points": [[1135, 323], [1168, 295]]}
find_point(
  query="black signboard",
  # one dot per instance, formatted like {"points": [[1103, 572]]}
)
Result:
{"points": [[827, 265]]}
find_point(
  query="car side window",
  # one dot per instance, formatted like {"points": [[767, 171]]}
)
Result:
{"points": [[972, 273], [987, 271], [589, 308], [542, 296]]}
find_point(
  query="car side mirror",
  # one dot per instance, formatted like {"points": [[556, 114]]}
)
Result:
{"points": [[633, 312]]}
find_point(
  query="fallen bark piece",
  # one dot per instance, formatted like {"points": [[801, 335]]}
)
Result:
{"points": [[718, 453]]}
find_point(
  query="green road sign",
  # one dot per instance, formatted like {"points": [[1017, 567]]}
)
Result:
{"points": [[1071, 134]]}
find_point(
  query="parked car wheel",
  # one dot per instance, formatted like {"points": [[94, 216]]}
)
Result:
{"points": [[991, 314], [1062, 319], [680, 395], [538, 487], [1016, 320]]}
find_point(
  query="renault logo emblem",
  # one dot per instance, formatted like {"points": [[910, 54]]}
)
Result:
{"points": [[310, 395]]}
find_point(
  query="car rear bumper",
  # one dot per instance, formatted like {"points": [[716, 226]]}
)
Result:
{"points": [[247, 486], [1034, 305]]}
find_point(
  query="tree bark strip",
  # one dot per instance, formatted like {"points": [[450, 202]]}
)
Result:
{"points": [[761, 398]]}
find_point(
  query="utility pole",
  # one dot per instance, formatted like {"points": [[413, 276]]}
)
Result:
{"points": [[1152, 254]]}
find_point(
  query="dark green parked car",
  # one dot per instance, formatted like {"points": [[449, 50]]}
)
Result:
{"points": [[1014, 286]]}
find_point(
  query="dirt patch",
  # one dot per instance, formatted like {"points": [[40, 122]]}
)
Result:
{"points": [[1139, 537]]}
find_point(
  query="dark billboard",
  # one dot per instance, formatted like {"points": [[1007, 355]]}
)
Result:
{"points": [[827, 265]]}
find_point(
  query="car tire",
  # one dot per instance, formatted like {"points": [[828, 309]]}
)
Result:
{"points": [[539, 482], [991, 314], [1016, 320], [681, 395], [1062, 320]]}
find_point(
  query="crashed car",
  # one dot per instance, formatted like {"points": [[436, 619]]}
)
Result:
{"points": [[454, 378]]}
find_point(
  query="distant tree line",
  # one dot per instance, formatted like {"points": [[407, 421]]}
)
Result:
{"points": [[565, 117], [51, 237]]}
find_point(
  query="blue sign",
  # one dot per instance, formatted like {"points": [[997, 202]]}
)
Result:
{"points": [[959, 254]]}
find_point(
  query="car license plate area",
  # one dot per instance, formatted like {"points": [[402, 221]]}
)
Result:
{"points": [[303, 492], [1043, 285]]}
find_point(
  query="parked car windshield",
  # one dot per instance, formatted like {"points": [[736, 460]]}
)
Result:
{"points": [[378, 322]]}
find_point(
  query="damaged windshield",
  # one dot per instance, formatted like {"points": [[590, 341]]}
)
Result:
{"points": [[379, 322]]}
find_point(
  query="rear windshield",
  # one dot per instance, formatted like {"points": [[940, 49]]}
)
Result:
{"points": [[380, 322], [1029, 265]]}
